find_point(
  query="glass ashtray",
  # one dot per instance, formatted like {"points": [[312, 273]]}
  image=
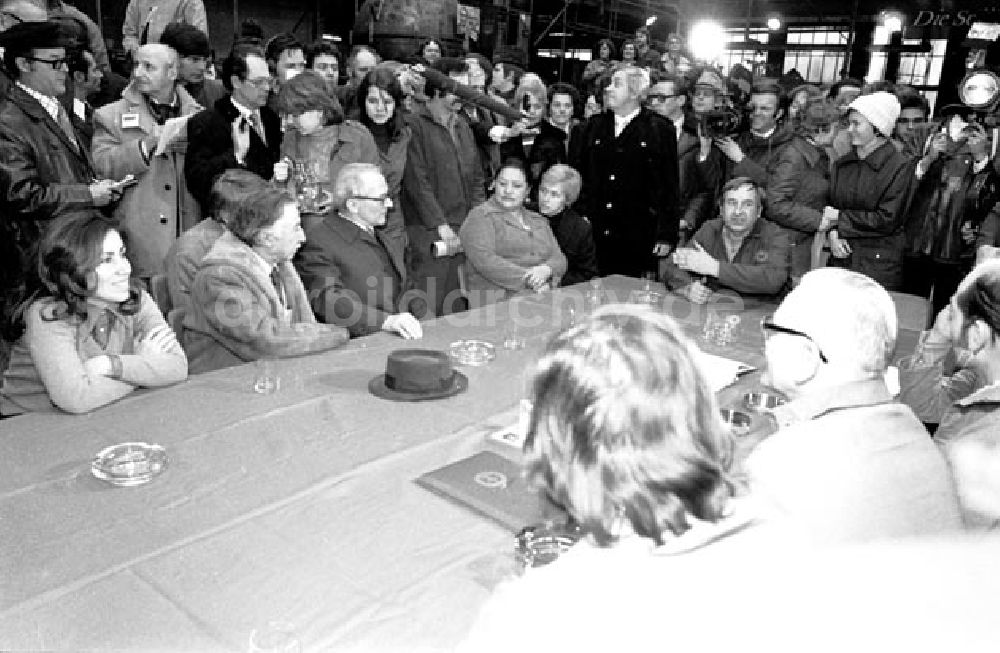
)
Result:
{"points": [[129, 463], [472, 352], [647, 297], [537, 546]]}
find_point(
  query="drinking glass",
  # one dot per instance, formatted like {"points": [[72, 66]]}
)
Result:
{"points": [[274, 637], [265, 379], [513, 339]]}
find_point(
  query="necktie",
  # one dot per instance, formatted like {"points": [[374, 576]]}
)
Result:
{"points": [[67, 127], [279, 287], [257, 126]]}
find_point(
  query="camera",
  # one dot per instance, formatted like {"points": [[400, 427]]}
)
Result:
{"points": [[720, 123]]}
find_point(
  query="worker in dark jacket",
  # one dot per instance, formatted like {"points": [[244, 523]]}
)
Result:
{"points": [[752, 153], [560, 186], [740, 251], [628, 161], [442, 181], [800, 185], [869, 188]]}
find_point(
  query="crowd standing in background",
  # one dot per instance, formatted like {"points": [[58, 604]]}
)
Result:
{"points": [[175, 223]]}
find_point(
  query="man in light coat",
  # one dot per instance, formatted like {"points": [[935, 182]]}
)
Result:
{"points": [[158, 207]]}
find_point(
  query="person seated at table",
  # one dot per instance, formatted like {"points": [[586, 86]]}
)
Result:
{"points": [[354, 274], [182, 260], [740, 251], [509, 250], [559, 188], [847, 462], [625, 434], [87, 334], [953, 378], [316, 131], [247, 300]]}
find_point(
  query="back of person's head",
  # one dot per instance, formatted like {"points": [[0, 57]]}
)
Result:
{"points": [[257, 211], [661, 77], [847, 81], [446, 66], [851, 318], [350, 182], [637, 79], [309, 91], [565, 176], [251, 32], [358, 49], [231, 189], [385, 79], [186, 39], [914, 101], [978, 296], [320, 48], [278, 44], [235, 64], [878, 85], [624, 426]]}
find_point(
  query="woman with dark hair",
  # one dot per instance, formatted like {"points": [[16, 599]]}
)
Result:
{"points": [[953, 378], [625, 434], [316, 131], [602, 62], [380, 105], [509, 250], [430, 51], [86, 336], [629, 53]]}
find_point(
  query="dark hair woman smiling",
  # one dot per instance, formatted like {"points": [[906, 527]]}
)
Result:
{"points": [[86, 335]]}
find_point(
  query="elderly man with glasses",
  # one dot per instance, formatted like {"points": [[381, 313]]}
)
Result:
{"points": [[848, 463], [239, 131], [355, 276]]}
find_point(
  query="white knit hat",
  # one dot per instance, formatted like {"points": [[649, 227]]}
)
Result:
{"points": [[881, 109]]}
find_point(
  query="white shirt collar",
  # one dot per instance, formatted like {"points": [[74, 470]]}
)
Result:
{"points": [[80, 108], [679, 125], [244, 111], [363, 226], [50, 104], [621, 122]]}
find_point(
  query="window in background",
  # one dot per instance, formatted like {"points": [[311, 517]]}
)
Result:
{"points": [[820, 65]]}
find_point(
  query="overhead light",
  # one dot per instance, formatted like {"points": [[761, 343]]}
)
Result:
{"points": [[331, 37], [650, 20], [706, 40], [892, 21], [560, 34], [773, 23]]}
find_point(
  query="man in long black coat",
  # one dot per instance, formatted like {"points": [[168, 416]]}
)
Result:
{"points": [[628, 159]]}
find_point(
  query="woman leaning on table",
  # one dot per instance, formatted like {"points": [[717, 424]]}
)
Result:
{"points": [[869, 188], [625, 434], [509, 250], [953, 378], [86, 335]]}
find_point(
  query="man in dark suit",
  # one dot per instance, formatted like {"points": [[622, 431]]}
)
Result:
{"points": [[628, 160], [239, 131], [354, 276]]}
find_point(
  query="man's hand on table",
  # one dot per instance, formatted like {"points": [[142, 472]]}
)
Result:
{"points": [[697, 292], [405, 325]]}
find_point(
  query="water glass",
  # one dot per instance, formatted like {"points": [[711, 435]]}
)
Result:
{"points": [[595, 295], [265, 378], [513, 339], [274, 637]]}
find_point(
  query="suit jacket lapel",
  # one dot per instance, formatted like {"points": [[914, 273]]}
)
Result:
{"points": [[394, 255]]}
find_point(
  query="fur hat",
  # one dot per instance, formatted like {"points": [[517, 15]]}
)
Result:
{"points": [[881, 109], [22, 38]]}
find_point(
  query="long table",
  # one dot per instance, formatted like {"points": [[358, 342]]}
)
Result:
{"points": [[298, 506]]}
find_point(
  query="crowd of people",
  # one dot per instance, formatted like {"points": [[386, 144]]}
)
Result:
{"points": [[293, 199]]}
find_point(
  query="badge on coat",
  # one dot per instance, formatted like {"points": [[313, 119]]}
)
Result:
{"points": [[760, 257], [130, 120]]}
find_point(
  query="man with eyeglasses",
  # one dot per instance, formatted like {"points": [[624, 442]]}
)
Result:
{"points": [[356, 277], [239, 131], [15, 12], [741, 251], [668, 96], [847, 463]]}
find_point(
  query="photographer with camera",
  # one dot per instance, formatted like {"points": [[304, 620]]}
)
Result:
{"points": [[754, 153], [956, 188]]}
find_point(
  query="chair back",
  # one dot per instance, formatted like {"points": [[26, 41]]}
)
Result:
{"points": [[160, 292]]}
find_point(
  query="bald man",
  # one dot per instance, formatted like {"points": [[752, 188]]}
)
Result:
{"points": [[848, 463], [154, 107]]}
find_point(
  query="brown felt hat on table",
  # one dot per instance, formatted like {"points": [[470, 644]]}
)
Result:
{"points": [[418, 375]]}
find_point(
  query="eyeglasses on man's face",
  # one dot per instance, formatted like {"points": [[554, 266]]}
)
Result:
{"points": [[261, 83], [382, 199], [659, 97], [55, 63], [767, 325]]}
